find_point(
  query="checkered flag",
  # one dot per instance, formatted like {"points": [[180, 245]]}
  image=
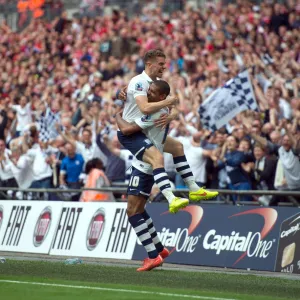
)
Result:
{"points": [[267, 59], [47, 123], [226, 102]]}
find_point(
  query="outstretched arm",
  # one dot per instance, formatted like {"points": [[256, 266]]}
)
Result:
{"points": [[125, 127], [65, 136]]}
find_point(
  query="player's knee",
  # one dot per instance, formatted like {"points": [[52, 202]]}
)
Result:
{"points": [[133, 211], [153, 157], [177, 149], [130, 212], [158, 161], [135, 207]]}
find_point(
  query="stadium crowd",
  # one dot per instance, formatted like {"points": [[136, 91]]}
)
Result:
{"points": [[59, 82]]}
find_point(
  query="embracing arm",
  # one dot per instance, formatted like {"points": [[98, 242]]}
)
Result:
{"points": [[125, 127], [149, 108], [165, 118]]}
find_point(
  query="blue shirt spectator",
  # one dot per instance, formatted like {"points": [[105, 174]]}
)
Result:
{"points": [[72, 165]]}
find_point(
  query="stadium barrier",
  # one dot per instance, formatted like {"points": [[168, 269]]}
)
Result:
{"points": [[121, 188], [239, 237]]}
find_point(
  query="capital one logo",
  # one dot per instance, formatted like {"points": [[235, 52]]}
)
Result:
{"points": [[292, 230], [182, 239], [253, 244]]}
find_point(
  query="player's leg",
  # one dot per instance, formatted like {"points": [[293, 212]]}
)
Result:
{"points": [[175, 148], [155, 158], [138, 192], [143, 149], [135, 209], [163, 252]]}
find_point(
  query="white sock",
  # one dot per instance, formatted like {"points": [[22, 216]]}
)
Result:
{"points": [[162, 181], [183, 168]]}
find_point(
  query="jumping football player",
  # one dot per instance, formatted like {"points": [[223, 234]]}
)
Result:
{"points": [[142, 148], [142, 180]]}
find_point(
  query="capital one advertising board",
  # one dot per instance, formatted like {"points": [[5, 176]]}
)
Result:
{"points": [[222, 236], [28, 226], [288, 254]]}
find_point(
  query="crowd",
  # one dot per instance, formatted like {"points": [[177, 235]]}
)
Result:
{"points": [[58, 85]]}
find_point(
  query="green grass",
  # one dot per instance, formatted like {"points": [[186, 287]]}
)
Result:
{"points": [[218, 285]]}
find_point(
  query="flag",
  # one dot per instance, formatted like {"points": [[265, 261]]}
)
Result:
{"points": [[226, 102], [267, 59], [47, 125]]}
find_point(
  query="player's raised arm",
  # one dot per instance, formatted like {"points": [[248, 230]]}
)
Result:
{"points": [[125, 127]]}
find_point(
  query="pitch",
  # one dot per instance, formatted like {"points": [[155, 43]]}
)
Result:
{"points": [[30, 280]]}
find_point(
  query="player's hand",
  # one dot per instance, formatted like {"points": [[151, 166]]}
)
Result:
{"points": [[123, 94], [163, 121], [172, 100]]}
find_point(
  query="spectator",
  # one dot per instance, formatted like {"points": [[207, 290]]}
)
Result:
{"points": [[288, 153], [24, 115], [6, 175], [115, 168], [124, 154], [42, 172], [231, 159], [3, 122], [20, 165], [264, 172], [70, 170], [96, 178], [68, 71], [55, 159], [86, 147], [289, 157]]}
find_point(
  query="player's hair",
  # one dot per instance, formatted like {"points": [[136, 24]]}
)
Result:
{"points": [[153, 54], [164, 88]]}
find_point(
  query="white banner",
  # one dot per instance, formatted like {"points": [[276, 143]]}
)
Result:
{"points": [[28, 226], [226, 102], [94, 230]]}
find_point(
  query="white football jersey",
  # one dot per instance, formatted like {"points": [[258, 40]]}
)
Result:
{"points": [[155, 134], [138, 86]]}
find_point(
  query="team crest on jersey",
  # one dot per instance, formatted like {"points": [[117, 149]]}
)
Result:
{"points": [[138, 86], [146, 118]]}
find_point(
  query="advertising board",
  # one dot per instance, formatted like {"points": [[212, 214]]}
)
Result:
{"points": [[220, 235]]}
